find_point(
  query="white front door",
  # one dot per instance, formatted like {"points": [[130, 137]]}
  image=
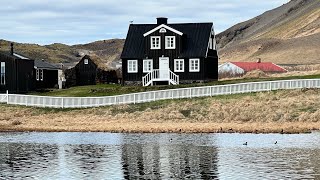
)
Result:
{"points": [[164, 67]]}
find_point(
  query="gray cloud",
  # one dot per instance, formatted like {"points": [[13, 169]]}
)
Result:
{"points": [[81, 21]]}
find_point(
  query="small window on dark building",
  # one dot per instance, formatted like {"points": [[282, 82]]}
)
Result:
{"points": [[86, 61], [3, 73], [39, 74]]}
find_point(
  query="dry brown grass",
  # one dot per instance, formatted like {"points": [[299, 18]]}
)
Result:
{"points": [[272, 112]]}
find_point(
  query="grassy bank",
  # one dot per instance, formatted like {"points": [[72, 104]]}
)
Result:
{"points": [[269, 112], [115, 89]]}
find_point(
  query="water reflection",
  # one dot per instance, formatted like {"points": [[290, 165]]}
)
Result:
{"points": [[158, 156]]}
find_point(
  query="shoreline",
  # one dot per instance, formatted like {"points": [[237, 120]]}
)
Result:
{"points": [[185, 128], [287, 112]]}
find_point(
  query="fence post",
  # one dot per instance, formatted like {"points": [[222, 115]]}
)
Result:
{"points": [[154, 96], [62, 103], [270, 85], [190, 95], [7, 97], [134, 98]]}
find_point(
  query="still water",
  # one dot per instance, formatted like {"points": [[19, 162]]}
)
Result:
{"points": [[158, 156]]}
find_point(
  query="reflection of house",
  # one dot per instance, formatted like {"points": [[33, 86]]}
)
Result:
{"points": [[169, 53], [89, 71], [16, 73], [46, 74], [239, 68]]}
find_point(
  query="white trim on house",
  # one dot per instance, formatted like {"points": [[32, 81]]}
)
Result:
{"points": [[170, 42], [3, 73], [86, 61], [153, 42], [147, 65], [162, 26], [178, 63], [132, 66], [194, 65]]}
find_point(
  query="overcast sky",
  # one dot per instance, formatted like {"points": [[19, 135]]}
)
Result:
{"points": [[82, 21]]}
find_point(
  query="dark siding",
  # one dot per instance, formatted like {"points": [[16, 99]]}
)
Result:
{"points": [[212, 65], [50, 79], [86, 73], [132, 76], [19, 75]]}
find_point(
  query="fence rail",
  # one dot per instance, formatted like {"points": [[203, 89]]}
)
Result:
{"points": [[85, 102]]}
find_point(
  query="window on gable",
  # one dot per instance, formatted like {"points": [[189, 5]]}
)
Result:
{"points": [[155, 42], [179, 65], [3, 74], [194, 65], [132, 66], [86, 61], [147, 65], [170, 42]]}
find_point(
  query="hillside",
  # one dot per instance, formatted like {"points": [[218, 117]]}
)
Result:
{"points": [[108, 50], [289, 34]]}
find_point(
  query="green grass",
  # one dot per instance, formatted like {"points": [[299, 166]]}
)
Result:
{"points": [[115, 89]]}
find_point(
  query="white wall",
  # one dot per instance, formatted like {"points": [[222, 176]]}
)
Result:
{"points": [[230, 69]]}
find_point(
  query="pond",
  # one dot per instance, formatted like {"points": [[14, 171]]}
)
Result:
{"points": [[159, 156]]}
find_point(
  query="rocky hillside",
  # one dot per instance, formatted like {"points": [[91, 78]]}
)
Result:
{"points": [[108, 50], [289, 34]]}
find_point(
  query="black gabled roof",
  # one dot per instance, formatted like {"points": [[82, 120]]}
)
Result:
{"points": [[197, 39], [44, 65]]}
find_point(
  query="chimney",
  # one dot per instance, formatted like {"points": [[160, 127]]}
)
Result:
{"points": [[162, 20], [11, 49], [259, 60]]}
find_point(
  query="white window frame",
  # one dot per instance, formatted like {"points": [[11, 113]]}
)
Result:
{"points": [[146, 65], [168, 42], [153, 45], [192, 68], [41, 74], [37, 74], [176, 68], [3, 73], [132, 66], [86, 61]]}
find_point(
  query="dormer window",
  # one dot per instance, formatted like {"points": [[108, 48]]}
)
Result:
{"points": [[155, 42], [170, 42]]}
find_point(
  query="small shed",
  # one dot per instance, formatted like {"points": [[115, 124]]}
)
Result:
{"points": [[46, 74], [90, 70], [240, 68]]}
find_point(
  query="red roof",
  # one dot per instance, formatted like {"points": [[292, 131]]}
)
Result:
{"points": [[263, 66]]}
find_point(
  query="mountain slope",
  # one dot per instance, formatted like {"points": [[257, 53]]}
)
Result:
{"points": [[108, 50], [288, 34]]}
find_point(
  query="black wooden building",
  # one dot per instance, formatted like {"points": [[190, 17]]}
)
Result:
{"points": [[46, 75], [90, 70], [171, 53], [16, 73]]}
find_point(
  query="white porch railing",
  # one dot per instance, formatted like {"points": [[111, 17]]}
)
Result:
{"points": [[148, 79], [84, 102], [154, 75], [174, 79]]}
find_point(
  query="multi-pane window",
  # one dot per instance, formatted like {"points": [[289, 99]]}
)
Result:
{"points": [[170, 42], [194, 65], [3, 73], [179, 65], [132, 66], [147, 65], [39, 74], [155, 42]]}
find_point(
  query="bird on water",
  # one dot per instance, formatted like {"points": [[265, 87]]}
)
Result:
{"points": [[276, 142], [245, 144]]}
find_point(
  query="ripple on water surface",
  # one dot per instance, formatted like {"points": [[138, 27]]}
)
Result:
{"points": [[158, 156]]}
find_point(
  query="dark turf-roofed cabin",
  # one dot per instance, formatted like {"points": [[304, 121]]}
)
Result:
{"points": [[90, 70], [46, 75], [16, 73], [169, 53]]}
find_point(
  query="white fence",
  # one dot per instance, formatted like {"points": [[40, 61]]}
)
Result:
{"points": [[84, 102]]}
